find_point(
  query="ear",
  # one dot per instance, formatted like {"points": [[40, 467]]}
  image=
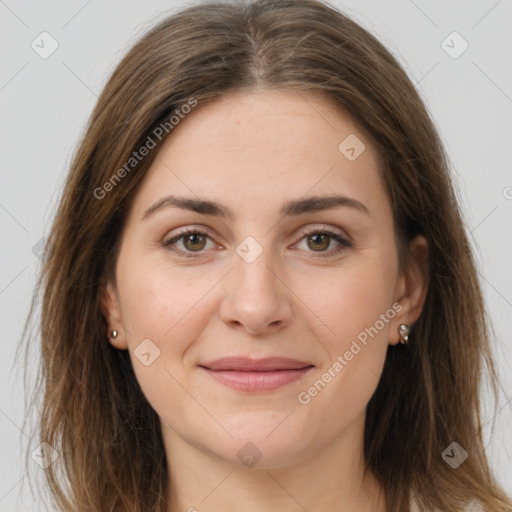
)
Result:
{"points": [[412, 286], [112, 311]]}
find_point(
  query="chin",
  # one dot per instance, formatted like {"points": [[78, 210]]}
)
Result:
{"points": [[262, 453], [258, 446]]}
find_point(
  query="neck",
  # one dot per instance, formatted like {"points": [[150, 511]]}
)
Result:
{"points": [[330, 479]]}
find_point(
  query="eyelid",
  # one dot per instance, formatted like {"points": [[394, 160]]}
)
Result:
{"points": [[184, 231], [325, 228], [333, 233]]}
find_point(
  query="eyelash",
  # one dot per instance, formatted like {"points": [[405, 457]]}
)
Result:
{"points": [[308, 232]]}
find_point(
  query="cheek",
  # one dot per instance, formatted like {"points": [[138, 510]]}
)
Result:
{"points": [[356, 305], [163, 315], [350, 299], [165, 306]]}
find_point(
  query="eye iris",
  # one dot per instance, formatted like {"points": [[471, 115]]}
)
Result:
{"points": [[317, 244], [193, 238]]}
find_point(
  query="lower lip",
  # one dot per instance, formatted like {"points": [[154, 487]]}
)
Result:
{"points": [[257, 381]]}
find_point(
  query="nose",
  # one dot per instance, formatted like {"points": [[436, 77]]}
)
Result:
{"points": [[256, 297]]}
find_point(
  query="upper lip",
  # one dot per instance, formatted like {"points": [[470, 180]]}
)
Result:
{"points": [[245, 364]]}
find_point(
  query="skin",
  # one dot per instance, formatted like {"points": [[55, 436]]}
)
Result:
{"points": [[252, 152]]}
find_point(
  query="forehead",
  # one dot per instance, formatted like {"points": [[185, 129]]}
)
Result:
{"points": [[263, 148]]}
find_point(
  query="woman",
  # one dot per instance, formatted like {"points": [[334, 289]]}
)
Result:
{"points": [[258, 293]]}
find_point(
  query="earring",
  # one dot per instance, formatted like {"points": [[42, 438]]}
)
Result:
{"points": [[113, 335], [404, 330]]}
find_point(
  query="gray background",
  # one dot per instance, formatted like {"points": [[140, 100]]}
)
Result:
{"points": [[45, 103]]}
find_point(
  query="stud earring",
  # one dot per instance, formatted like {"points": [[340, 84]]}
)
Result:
{"points": [[113, 335], [404, 330]]}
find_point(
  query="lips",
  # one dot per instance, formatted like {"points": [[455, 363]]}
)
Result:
{"points": [[244, 364], [256, 375]]}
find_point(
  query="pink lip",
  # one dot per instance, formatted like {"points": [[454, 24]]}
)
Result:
{"points": [[244, 364], [243, 374]]}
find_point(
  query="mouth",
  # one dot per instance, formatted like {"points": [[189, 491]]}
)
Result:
{"points": [[253, 375]]}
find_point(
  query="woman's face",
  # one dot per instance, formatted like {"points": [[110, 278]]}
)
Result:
{"points": [[265, 272]]}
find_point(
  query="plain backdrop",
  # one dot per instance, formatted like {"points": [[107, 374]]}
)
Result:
{"points": [[45, 102]]}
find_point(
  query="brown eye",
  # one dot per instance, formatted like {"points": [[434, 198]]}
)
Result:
{"points": [[319, 241], [189, 242], [194, 241]]}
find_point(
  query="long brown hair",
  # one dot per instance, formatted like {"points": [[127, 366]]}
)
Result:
{"points": [[93, 413]]}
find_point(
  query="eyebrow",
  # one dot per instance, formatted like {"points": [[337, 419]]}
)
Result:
{"points": [[291, 208]]}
